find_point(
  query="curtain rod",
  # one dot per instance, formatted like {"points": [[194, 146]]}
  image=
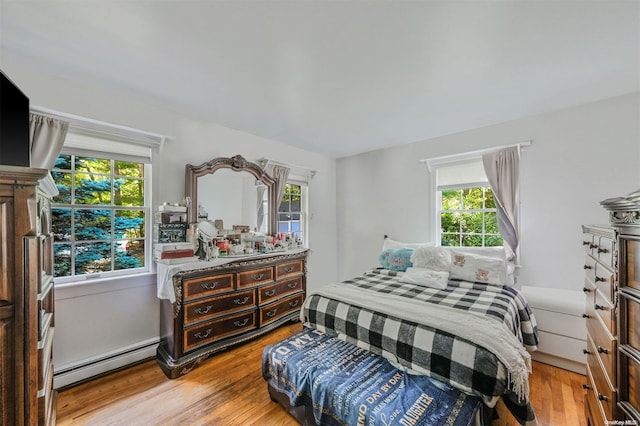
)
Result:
{"points": [[434, 161], [92, 124]]}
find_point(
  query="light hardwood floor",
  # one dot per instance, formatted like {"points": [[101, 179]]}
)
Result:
{"points": [[228, 389]]}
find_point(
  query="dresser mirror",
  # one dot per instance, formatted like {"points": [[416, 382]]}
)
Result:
{"points": [[228, 189]]}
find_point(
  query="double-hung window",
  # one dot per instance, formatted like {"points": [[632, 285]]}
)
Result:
{"points": [[465, 207], [101, 217], [292, 210]]}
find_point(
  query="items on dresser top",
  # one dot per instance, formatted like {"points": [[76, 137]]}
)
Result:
{"points": [[209, 306]]}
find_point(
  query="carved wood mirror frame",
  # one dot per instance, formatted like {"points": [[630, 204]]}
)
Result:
{"points": [[237, 163]]}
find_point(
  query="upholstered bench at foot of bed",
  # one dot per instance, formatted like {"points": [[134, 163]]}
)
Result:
{"points": [[311, 371]]}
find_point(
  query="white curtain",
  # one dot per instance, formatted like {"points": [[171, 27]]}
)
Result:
{"points": [[280, 175], [46, 137], [502, 170]]}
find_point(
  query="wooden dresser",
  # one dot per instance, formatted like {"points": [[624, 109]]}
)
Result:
{"points": [[600, 288], [26, 300], [217, 307]]}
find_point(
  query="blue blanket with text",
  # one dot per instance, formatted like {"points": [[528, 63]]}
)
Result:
{"points": [[348, 385]]}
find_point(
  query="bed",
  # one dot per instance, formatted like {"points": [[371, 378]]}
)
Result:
{"points": [[449, 314]]}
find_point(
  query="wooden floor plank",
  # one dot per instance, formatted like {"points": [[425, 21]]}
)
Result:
{"points": [[228, 390]]}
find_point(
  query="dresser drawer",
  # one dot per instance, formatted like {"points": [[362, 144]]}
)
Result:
{"points": [[606, 311], [604, 251], [221, 328], [589, 243], [255, 277], [275, 291], [289, 269], [603, 280], [590, 268], [195, 288], [593, 406], [217, 306], [606, 352], [604, 394], [277, 310]]}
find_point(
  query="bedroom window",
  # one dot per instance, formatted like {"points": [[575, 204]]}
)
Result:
{"points": [[466, 211], [468, 217], [101, 216], [291, 212]]}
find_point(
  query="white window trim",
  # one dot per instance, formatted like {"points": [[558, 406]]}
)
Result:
{"points": [[432, 165], [154, 141]]}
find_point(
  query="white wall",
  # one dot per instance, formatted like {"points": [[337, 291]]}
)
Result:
{"points": [[578, 157], [96, 319]]}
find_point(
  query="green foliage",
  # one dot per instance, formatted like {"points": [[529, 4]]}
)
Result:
{"points": [[96, 231], [468, 218]]}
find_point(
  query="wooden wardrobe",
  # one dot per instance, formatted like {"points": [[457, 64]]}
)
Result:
{"points": [[26, 299]]}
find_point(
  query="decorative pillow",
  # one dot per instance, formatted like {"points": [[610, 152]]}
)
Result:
{"points": [[396, 259], [392, 244], [475, 268], [434, 258], [426, 277]]}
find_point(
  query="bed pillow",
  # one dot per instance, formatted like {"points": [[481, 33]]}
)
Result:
{"points": [[392, 244], [426, 277], [396, 259], [434, 258], [476, 268]]}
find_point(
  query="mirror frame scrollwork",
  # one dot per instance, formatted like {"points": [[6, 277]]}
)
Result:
{"points": [[237, 163]]}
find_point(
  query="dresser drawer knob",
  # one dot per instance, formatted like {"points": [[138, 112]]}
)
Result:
{"points": [[289, 269], [199, 335], [257, 277], [603, 250], [586, 243], [602, 350], [585, 386], [593, 245], [586, 316], [241, 323], [199, 311], [293, 284], [294, 303], [588, 267], [241, 302], [209, 286], [586, 290], [602, 397], [600, 279], [270, 293], [598, 307], [271, 314], [586, 352]]}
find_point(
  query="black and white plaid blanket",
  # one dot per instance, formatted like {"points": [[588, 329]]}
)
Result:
{"points": [[449, 358]]}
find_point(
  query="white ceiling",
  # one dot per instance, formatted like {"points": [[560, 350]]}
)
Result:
{"points": [[337, 77]]}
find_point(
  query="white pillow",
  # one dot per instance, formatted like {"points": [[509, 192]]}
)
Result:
{"points": [[392, 244], [426, 277], [475, 268], [434, 258]]}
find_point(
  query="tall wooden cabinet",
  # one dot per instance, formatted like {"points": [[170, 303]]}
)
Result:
{"points": [[26, 299]]}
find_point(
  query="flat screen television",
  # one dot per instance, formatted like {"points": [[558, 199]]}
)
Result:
{"points": [[15, 149]]}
